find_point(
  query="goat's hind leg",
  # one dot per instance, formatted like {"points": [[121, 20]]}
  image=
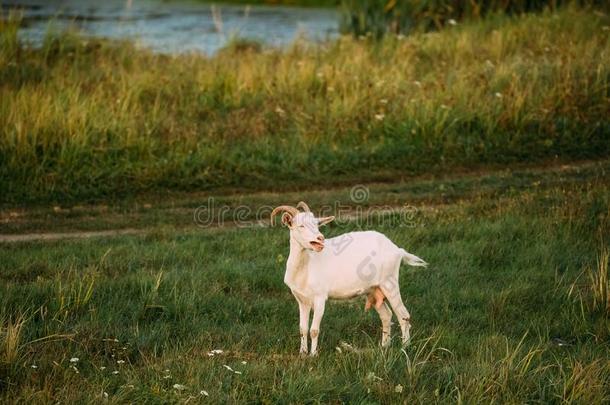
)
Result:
{"points": [[391, 290], [385, 314], [403, 316]]}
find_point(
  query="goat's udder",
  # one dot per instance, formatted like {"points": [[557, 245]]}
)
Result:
{"points": [[376, 298]]}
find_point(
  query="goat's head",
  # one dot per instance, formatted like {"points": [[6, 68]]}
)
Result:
{"points": [[303, 225]]}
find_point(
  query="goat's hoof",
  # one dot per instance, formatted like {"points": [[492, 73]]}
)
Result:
{"points": [[313, 354]]}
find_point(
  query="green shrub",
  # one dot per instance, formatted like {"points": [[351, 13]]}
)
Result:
{"points": [[378, 17]]}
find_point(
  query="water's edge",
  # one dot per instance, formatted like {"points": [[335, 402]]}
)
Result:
{"points": [[177, 26]]}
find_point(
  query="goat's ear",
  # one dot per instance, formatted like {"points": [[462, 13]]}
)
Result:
{"points": [[287, 219], [325, 220]]}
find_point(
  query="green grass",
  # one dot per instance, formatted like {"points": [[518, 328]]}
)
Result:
{"points": [[518, 265], [83, 120]]}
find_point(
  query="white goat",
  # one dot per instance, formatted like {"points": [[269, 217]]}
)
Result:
{"points": [[357, 263]]}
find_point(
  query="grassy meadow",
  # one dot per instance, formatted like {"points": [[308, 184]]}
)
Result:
{"points": [[84, 120], [494, 134], [514, 307]]}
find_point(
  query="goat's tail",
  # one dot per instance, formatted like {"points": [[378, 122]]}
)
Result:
{"points": [[412, 260]]}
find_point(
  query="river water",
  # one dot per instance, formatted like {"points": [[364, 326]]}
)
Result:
{"points": [[174, 26]]}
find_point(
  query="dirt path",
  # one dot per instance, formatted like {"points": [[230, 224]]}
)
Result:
{"points": [[53, 236], [178, 214], [34, 237]]}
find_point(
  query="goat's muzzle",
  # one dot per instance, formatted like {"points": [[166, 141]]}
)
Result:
{"points": [[318, 244]]}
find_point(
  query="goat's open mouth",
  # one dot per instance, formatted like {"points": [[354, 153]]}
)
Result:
{"points": [[317, 246]]}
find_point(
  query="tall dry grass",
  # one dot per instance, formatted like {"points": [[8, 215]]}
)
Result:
{"points": [[83, 119]]}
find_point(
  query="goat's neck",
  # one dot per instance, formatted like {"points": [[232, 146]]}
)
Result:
{"points": [[296, 266]]}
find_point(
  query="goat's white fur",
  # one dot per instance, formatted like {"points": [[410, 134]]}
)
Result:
{"points": [[349, 265]]}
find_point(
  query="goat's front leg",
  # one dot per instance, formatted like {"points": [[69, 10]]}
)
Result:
{"points": [[304, 310], [318, 312]]}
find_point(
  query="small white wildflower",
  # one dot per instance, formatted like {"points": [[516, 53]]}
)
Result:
{"points": [[379, 117], [166, 370], [120, 362], [74, 360], [167, 377], [398, 388], [347, 347], [444, 107], [417, 83], [228, 368], [179, 387], [279, 110], [103, 368], [218, 351], [371, 376], [34, 366], [115, 372], [237, 372], [105, 395], [204, 393], [244, 362], [383, 101], [338, 349], [498, 95], [451, 21]]}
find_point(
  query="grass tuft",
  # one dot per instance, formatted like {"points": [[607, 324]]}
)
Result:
{"points": [[10, 338], [599, 284]]}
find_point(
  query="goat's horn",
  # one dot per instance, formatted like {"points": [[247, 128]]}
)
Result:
{"points": [[289, 209], [301, 204]]}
